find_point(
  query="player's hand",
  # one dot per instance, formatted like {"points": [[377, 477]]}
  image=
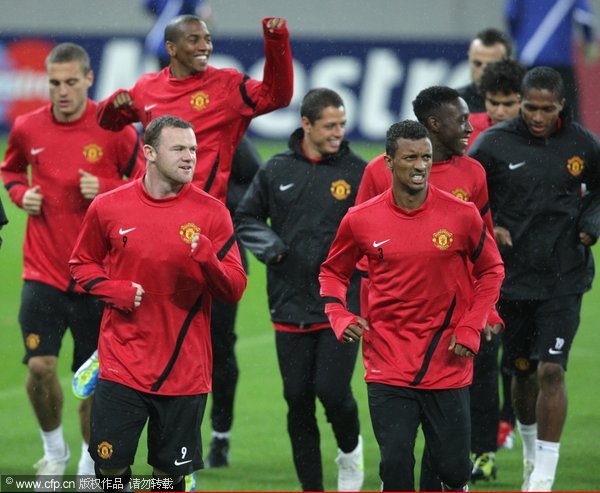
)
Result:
{"points": [[459, 349], [123, 100], [490, 330], [503, 237], [355, 331], [139, 291], [32, 201], [88, 184], [275, 23], [586, 238]]}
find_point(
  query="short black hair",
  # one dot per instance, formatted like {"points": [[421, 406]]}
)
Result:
{"points": [[492, 36], [69, 52], [544, 78], [406, 129], [173, 29], [155, 128], [505, 76], [429, 101], [316, 100]]}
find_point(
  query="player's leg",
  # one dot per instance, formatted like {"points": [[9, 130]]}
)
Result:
{"points": [[395, 415], [174, 438], [518, 338], [296, 356], [558, 320], [85, 316], [506, 426], [42, 317], [447, 431], [225, 377], [485, 409], [334, 370]]}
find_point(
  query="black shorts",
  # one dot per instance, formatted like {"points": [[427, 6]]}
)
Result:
{"points": [[538, 330], [45, 314], [119, 414]]}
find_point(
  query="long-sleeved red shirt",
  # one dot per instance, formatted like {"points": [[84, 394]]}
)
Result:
{"points": [[421, 292], [164, 345], [220, 103], [56, 151]]}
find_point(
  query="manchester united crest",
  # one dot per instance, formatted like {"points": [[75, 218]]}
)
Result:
{"points": [[105, 450], [340, 189], [187, 232], [199, 100], [92, 153], [522, 364], [459, 193], [575, 165], [443, 239], [32, 341]]}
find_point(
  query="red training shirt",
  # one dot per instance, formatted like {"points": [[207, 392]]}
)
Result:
{"points": [[479, 122]]}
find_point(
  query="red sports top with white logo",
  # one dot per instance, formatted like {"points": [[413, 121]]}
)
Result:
{"points": [[164, 345], [421, 290], [56, 152], [220, 103]]}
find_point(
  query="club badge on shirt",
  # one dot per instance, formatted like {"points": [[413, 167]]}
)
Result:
{"points": [[461, 194], [340, 189], [443, 239], [93, 153], [575, 165], [187, 232], [199, 100]]}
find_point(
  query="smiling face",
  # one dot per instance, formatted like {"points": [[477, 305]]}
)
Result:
{"points": [[326, 134], [540, 109], [68, 89], [451, 129], [410, 166], [191, 49]]}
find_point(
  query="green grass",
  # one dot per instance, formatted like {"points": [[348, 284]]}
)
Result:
{"points": [[261, 455]]}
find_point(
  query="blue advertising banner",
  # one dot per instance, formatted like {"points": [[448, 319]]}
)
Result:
{"points": [[377, 79]]}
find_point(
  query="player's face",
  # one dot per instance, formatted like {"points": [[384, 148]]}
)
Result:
{"points": [[481, 55], [410, 165], [540, 109], [325, 135], [68, 89], [500, 106], [453, 127], [192, 49], [174, 159]]}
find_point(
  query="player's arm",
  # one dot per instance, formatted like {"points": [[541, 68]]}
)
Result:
{"points": [[277, 87], [219, 260], [251, 222], [488, 274], [589, 220], [334, 279], [117, 111], [87, 267]]}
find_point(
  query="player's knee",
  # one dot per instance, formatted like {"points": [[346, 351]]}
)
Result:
{"points": [[550, 375], [167, 482], [113, 479], [42, 368]]}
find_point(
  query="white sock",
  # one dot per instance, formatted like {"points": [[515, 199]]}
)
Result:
{"points": [[85, 467], [221, 434], [528, 437], [546, 460], [55, 446]]}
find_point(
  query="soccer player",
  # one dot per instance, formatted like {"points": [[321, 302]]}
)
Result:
{"points": [[536, 166], [434, 272], [501, 89], [71, 159], [156, 251], [220, 103], [304, 192], [488, 46]]}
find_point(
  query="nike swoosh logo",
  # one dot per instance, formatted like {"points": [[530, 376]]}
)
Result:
{"points": [[283, 188], [554, 351], [512, 166], [36, 150], [378, 244], [125, 231], [148, 107], [177, 463]]}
